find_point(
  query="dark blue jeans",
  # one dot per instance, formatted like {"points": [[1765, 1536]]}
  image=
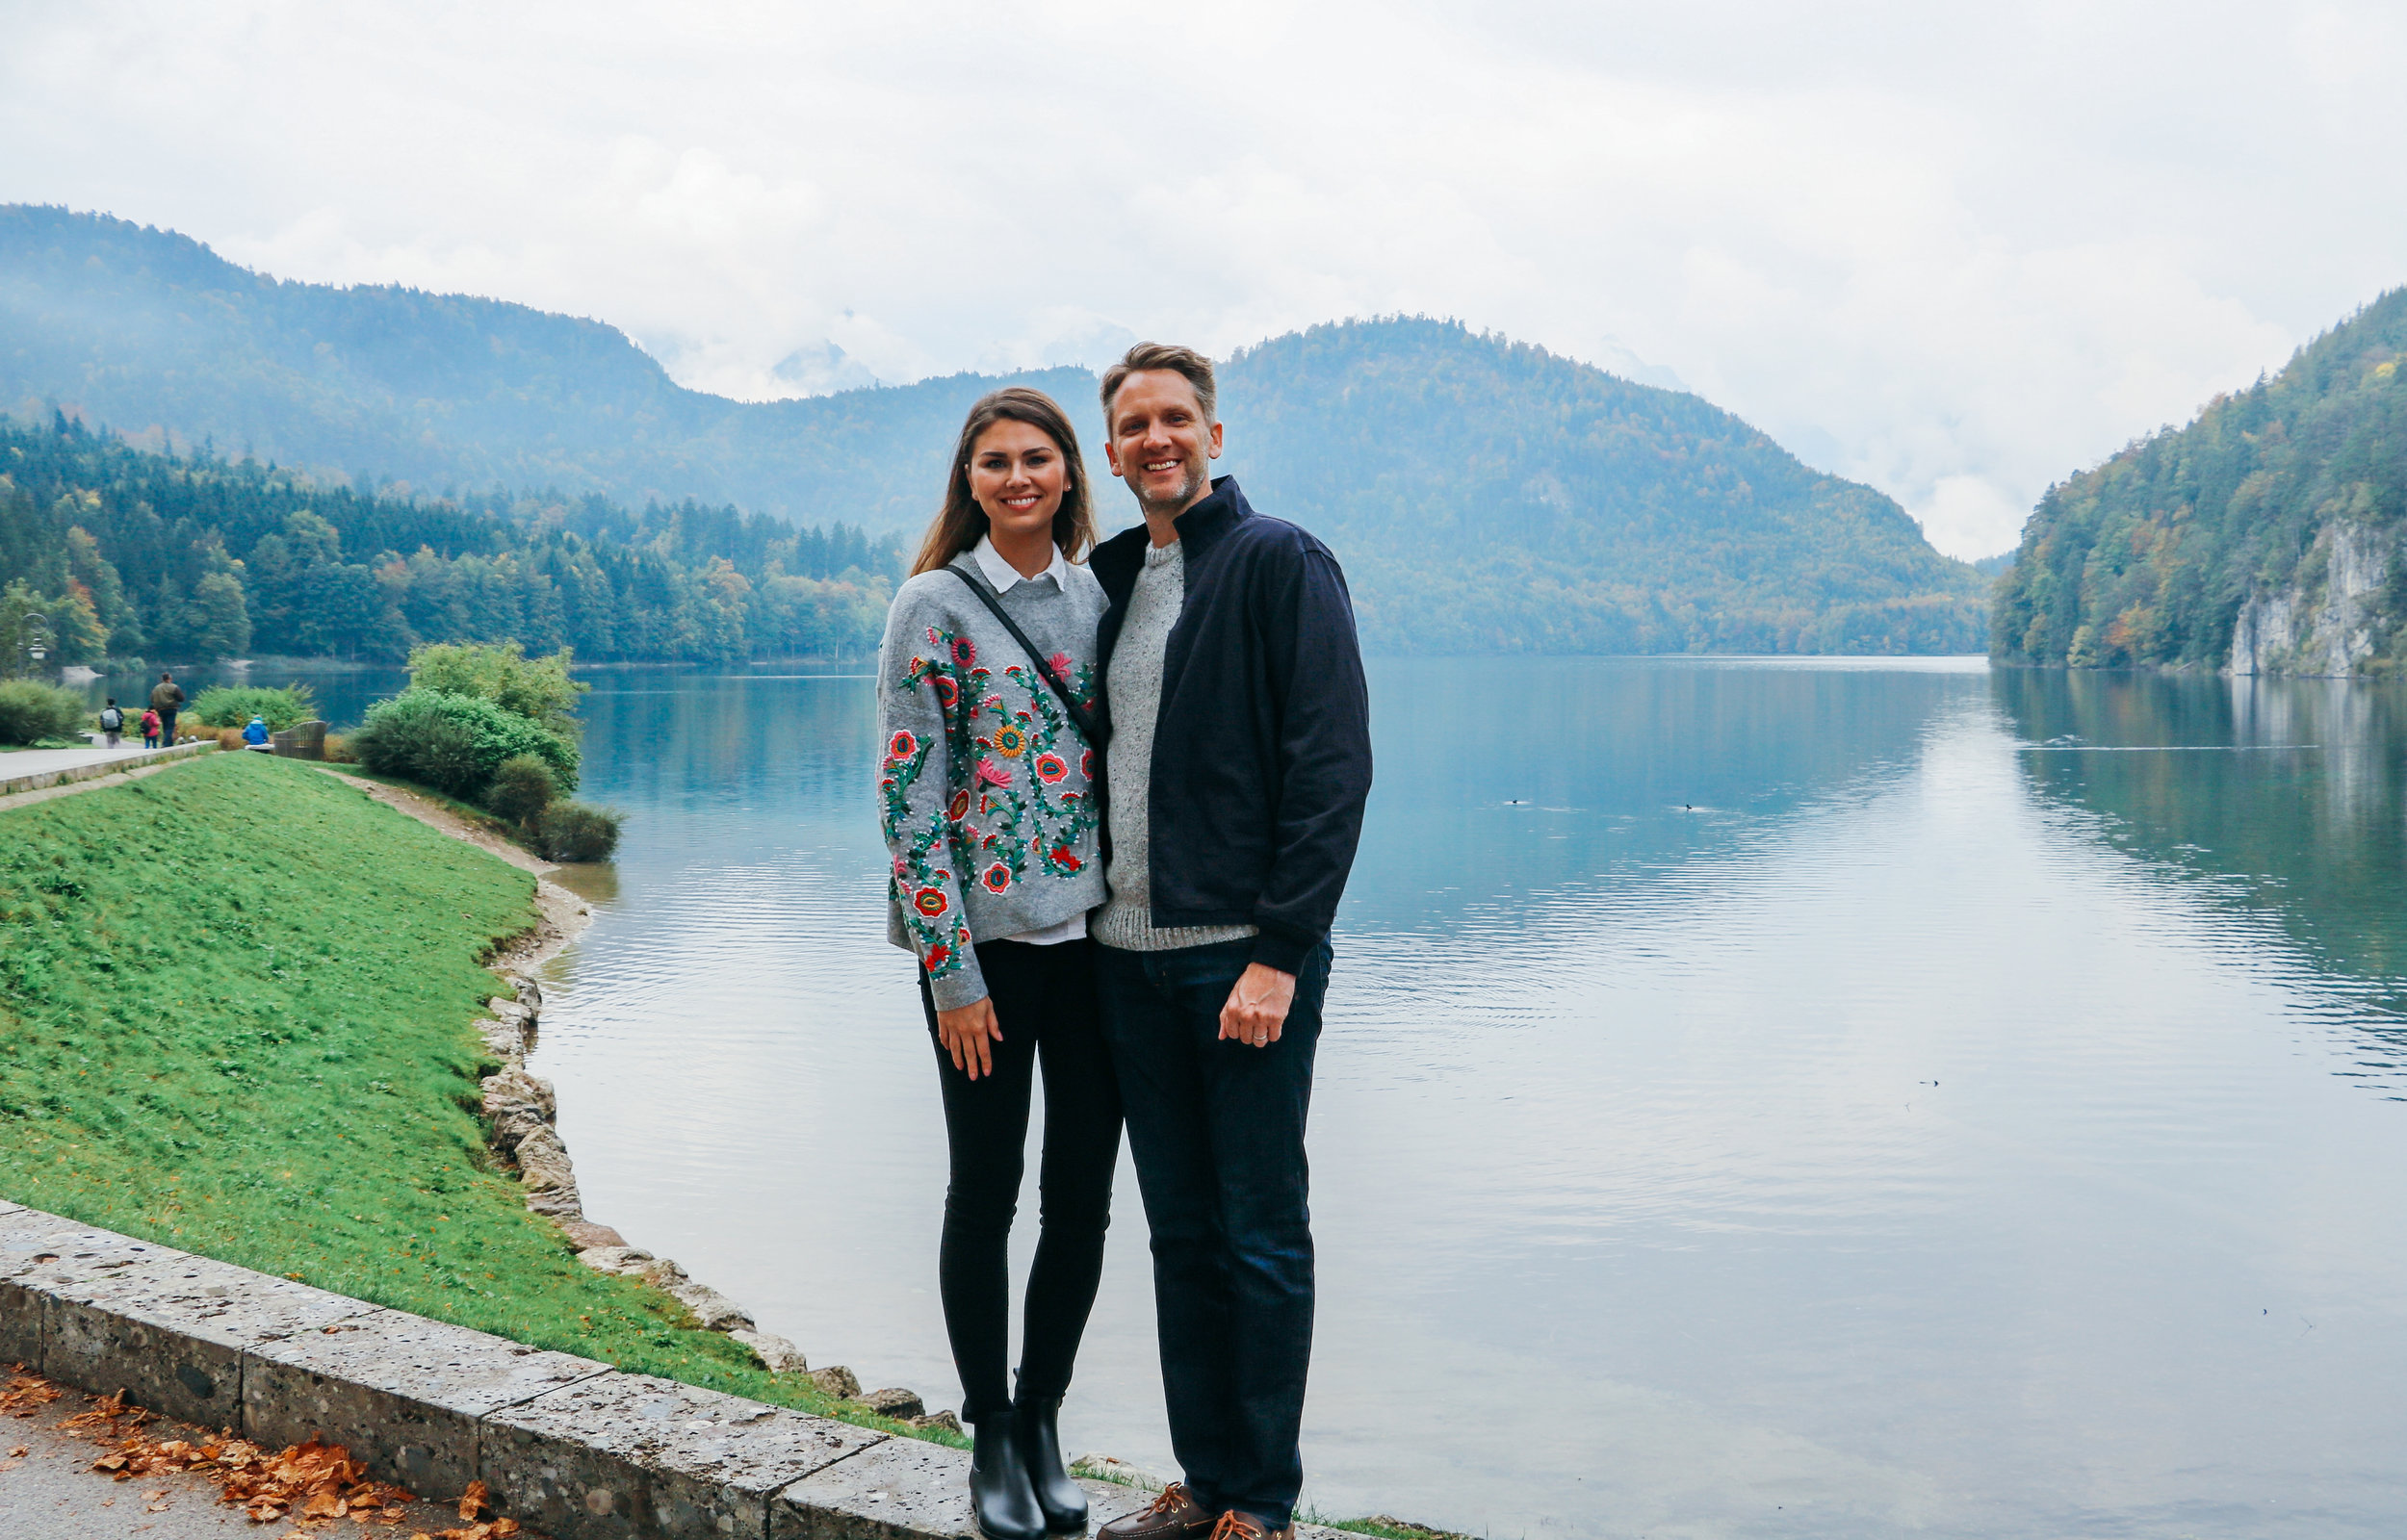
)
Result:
{"points": [[1217, 1129]]}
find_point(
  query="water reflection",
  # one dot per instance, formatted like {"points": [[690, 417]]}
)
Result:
{"points": [[2289, 792]]}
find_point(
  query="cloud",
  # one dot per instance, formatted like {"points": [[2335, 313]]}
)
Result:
{"points": [[1957, 252]]}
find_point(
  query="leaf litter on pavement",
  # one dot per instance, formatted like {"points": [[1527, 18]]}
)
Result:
{"points": [[311, 1485]]}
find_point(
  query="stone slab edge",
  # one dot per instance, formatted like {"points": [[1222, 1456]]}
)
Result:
{"points": [[53, 1271], [104, 767]]}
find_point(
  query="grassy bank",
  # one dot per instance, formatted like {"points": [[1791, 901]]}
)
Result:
{"points": [[235, 1000]]}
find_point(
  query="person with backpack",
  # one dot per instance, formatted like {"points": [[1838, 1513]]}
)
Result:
{"points": [[150, 729], [111, 724], [986, 782], [166, 697]]}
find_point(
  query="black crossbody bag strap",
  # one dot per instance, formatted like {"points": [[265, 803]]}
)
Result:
{"points": [[1078, 714]]}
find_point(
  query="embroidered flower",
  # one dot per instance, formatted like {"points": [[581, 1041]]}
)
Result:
{"points": [[959, 807], [938, 956], [929, 901], [997, 878], [994, 774], [934, 640], [900, 747], [946, 691], [1011, 740], [964, 652], [1051, 768], [1086, 765], [1059, 663], [1062, 859]]}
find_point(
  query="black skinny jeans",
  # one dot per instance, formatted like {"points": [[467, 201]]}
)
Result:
{"points": [[1044, 1003]]}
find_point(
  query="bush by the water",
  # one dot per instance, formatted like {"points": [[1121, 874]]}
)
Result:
{"points": [[537, 688], [576, 830], [31, 712], [522, 788], [456, 743], [233, 705]]}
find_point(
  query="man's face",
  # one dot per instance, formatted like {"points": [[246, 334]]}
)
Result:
{"points": [[1159, 442]]}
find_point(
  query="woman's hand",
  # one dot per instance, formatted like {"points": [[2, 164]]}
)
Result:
{"points": [[965, 1032]]}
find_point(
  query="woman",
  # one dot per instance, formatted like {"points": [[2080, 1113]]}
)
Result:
{"points": [[987, 782]]}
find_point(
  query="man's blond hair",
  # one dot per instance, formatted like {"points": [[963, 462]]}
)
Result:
{"points": [[1186, 362]]}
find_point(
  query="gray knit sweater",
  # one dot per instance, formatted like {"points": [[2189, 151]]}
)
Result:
{"points": [[986, 786], [1135, 683]]}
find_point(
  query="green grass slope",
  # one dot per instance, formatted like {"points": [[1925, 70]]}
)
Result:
{"points": [[2147, 558], [235, 1008]]}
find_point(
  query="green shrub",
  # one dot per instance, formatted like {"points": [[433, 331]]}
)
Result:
{"points": [[576, 830], [537, 688], [454, 743], [522, 788], [31, 712], [233, 705]]}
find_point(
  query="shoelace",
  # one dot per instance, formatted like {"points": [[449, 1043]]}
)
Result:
{"points": [[1170, 1498], [1236, 1525]]}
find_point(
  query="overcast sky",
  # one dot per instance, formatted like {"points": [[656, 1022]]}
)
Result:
{"points": [[1955, 251]]}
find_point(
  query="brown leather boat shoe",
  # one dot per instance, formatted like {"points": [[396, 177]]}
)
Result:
{"points": [[1173, 1515], [1236, 1525]]}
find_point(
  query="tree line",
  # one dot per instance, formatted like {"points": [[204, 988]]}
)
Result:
{"points": [[194, 557], [2148, 558]]}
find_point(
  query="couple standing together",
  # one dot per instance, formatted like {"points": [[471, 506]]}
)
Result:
{"points": [[1122, 803]]}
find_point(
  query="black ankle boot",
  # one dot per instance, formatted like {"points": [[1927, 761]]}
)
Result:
{"points": [[1062, 1499], [1000, 1493]]}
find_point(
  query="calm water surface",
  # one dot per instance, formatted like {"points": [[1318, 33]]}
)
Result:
{"points": [[1759, 1099]]}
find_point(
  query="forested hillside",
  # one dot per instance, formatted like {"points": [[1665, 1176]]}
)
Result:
{"points": [[1485, 496], [2264, 537], [154, 334], [138, 555], [1488, 496]]}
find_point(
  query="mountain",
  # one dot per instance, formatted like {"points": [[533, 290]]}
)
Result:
{"points": [[2263, 538], [150, 332], [1485, 496], [1488, 496]]}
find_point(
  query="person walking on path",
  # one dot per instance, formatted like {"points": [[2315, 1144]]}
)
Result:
{"points": [[111, 724], [150, 729], [985, 686], [167, 698], [1237, 765]]}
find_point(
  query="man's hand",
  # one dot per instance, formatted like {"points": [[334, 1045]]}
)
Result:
{"points": [[965, 1032], [1257, 1006]]}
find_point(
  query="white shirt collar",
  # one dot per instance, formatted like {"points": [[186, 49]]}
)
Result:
{"points": [[1000, 575]]}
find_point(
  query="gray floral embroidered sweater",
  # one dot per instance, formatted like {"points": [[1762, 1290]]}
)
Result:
{"points": [[986, 789]]}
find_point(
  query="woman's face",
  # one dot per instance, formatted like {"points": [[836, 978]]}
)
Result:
{"points": [[1017, 475]]}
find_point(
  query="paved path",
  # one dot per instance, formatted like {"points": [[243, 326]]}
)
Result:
{"points": [[38, 762], [50, 1491]]}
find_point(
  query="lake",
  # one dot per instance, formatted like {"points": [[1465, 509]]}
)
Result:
{"points": [[1760, 1098]]}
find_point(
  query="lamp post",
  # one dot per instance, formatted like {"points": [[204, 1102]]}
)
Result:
{"points": [[33, 637]]}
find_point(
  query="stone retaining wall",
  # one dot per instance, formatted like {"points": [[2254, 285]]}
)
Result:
{"points": [[573, 1447]]}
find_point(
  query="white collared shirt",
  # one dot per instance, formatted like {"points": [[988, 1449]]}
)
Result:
{"points": [[1001, 576]]}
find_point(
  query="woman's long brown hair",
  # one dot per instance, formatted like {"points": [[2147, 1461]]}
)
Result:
{"points": [[960, 524]]}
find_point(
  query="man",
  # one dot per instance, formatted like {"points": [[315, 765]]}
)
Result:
{"points": [[1237, 762], [167, 698]]}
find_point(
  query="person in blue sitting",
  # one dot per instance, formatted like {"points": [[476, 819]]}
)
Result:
{"points": [[255, 735]]}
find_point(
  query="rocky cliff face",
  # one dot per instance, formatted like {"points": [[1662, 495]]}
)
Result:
{"points": [[2330, 619]]}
